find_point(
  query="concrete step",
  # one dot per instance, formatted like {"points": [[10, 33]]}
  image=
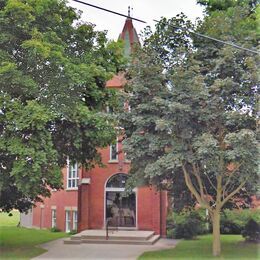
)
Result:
{"points": [[113, 236], [153, 239]]}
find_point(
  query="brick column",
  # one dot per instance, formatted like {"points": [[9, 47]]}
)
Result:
{"points": [[164, 209], [83, 207], [156, 214]]}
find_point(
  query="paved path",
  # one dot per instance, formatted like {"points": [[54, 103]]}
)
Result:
{"points": [[58, 250]]}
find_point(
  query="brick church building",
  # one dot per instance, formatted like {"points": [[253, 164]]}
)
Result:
{"points": [[91, 198]]}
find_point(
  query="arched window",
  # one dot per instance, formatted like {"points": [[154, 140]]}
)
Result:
{"points": [[120, 207], [117, 181]]}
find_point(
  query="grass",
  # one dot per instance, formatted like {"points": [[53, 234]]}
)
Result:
{"points": [[233, 247], [22, 243]]}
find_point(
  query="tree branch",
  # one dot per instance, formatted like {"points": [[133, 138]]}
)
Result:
{"points": [[196, 173], [191, 187], [229, 178], [232, 193], [211, 183]]}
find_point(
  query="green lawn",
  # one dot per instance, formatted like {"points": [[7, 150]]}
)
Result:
{"points": [[22, 243], [233, 247]]}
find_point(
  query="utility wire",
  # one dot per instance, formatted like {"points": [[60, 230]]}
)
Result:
{"points": [[195, 33], [214, 39], [110, 11]]}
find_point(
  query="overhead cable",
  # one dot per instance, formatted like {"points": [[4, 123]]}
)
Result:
{"points": [[107, 10], [214, 39], [195, 33]]}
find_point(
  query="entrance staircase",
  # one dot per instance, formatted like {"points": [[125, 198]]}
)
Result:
{"points": [[129, 237]]}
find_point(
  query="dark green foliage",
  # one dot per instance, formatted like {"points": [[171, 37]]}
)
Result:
{"points": [[54, 229], [53, 70], [73, 232], [218, 5], [194, 106], [229, 227], [195, 110], [187, 224], [252, 231], [234, 221]]}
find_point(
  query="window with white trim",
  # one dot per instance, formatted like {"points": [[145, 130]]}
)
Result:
{"points": [[75, 220], [114, 152], [72, 175], [67, 220], [53, 218]]}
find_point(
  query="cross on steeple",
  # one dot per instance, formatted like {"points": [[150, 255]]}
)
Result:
{"points": [[128, 11]]}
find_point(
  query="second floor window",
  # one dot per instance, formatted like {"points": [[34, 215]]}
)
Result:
{"points": [[114, 152], [72, 175]]}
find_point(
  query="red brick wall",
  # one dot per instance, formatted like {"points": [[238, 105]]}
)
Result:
{"points": [[151, 204], [60, 199]]}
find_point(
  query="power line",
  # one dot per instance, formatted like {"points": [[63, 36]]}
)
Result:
{"points": [[107, 10], [195, 33], [214, 39]]}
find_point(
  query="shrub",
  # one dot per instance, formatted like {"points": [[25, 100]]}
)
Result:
{"points": [[188, 224], [229, 227], [252, 231], [54, 229], [234, 221], [73, 232]]}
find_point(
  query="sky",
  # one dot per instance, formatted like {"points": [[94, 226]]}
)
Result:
{"points": [[146, 10]]}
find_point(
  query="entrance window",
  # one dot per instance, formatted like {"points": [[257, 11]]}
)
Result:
{"points": [[120, 207]]}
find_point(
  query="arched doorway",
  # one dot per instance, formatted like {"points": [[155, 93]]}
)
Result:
{"points": [[119, 207]]}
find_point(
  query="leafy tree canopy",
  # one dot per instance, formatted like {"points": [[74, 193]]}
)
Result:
{"points": [[193, 110], [53, 70]]}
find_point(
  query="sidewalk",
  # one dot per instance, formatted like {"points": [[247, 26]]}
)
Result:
{"points": [[58, 250]]}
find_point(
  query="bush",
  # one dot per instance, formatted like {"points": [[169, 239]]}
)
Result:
{"points": [[252, 231], [188, 224], [234, 221], [54, 229], [73, 232], [229, 227]]}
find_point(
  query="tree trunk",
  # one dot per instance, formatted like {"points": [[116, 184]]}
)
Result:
{"points": [[216, 248]]}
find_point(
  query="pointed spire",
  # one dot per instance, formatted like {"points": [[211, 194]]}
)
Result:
{"points": [[129, 35]]}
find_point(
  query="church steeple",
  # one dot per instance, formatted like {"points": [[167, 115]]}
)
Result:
{"points": [[129, 35], [130, 39]]}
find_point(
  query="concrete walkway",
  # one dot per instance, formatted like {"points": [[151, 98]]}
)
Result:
{"points": [[58, 250]]}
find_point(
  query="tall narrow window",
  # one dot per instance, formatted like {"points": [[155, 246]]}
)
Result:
{"points": [[72, 175], [75, 220], [114, 152], [67, 220], [53, 218]]}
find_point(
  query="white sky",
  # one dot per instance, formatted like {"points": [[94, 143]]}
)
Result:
{"points": [[146, 10]]}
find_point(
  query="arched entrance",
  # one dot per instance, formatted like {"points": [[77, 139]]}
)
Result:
{"points": [[119, 207]]}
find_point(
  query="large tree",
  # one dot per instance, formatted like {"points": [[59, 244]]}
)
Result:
{"points": [[193, 110], [53, 70]]}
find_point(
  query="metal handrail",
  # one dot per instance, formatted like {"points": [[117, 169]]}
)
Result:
{"points": [[107, 226]]}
